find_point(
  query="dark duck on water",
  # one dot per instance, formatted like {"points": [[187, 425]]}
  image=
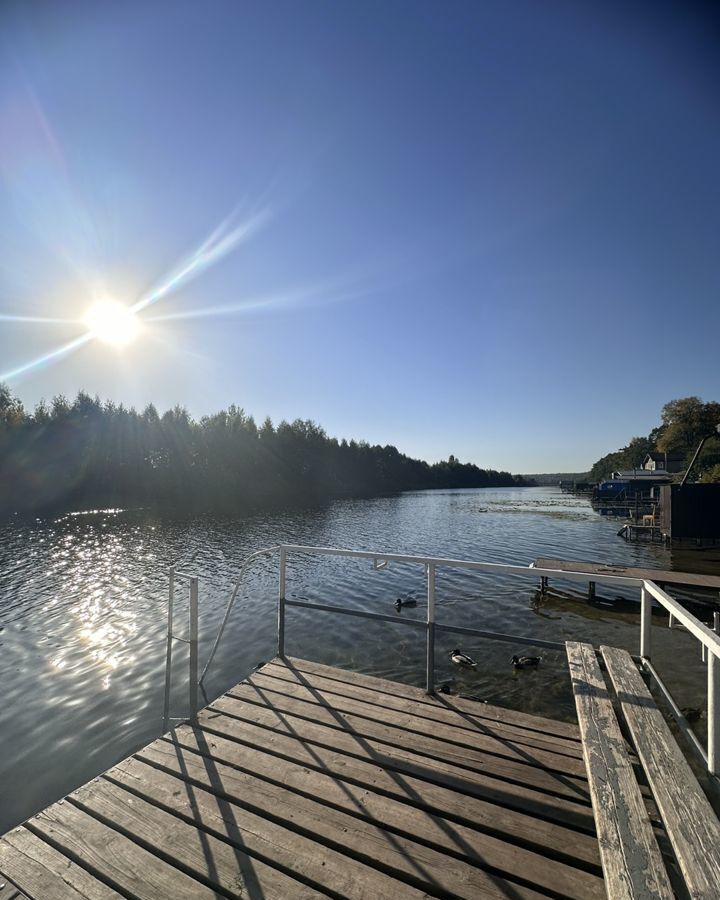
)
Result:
{"points": [[526, 662], [408, 602]]}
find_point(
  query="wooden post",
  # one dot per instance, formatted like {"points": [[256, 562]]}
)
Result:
{"points": [[591, 590]]}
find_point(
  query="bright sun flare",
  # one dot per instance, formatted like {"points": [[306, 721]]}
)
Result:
{"points": [[111, 322]]}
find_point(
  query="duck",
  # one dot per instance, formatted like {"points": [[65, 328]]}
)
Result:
{"points": [[399, 603], [526, 662], [462, 659]]}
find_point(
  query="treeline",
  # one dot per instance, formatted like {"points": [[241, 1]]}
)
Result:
{"points": [[88, 454], [683, 424], [554, 478]]}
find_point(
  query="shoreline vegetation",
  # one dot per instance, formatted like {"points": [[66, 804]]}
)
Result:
{"points": [[683, 424], [89, 454]]}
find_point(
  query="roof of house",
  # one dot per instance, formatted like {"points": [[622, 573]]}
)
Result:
{"points": [[640, 475]]}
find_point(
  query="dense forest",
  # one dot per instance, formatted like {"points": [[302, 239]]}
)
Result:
{"points": [[683, 424], [87, 454]]}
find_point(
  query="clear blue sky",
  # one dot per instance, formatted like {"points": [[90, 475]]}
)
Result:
{"points": [[484, 228]]}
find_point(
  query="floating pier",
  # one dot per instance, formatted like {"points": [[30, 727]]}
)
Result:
{"points": [[309, 781]]}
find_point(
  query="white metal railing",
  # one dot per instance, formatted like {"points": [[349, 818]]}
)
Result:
{"points": [[192, 640], [709, 639], [430, 563], [710, 642]]}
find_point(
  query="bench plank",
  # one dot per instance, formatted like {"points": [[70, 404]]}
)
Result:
{"points": [[689, 819], [631, 859]]}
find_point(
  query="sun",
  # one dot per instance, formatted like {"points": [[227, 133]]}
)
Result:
{"points": [[112, 322]]}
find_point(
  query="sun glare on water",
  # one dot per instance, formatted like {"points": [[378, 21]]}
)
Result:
{"points": [[112, 322]]}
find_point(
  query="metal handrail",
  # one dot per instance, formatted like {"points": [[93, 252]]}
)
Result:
{"points": [[709, 640], [431, 563], [498, 568], [192, 640], [231, 602]]}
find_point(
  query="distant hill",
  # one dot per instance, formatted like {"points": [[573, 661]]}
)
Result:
{"points": [[555, 477]]}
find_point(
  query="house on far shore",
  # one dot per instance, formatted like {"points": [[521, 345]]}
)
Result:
{"points": [[673, 461]]}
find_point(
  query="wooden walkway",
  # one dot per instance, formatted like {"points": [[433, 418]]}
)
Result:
{"points": [[309, 781], [659, 576]]}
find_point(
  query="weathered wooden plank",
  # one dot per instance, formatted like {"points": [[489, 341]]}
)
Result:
{"points": [[689, 819], [360, 734], [242, 721], [304, 793], [9, 891], [418, 695], [256, 750], [503, 749], [632, 863], [439, 708], [35, 867], [231, 868], [407, 720], [14, 894], [314, 781], [130, 868], [223, 800]]}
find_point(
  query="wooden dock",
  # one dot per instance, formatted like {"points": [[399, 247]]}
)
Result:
{"points": [[661, 577], [306, 781], [309, 781]]}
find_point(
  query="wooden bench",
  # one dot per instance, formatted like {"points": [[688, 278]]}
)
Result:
{"points": [[631, 860], [688, 817]]}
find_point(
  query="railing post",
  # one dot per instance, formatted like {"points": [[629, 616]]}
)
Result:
{"points": [[168, 651], [281, 604], [430, 661], [645, 622], [193, 648], [713, 713]]}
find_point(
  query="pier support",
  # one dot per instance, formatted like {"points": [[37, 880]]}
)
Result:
{"points": [[543, 584], [591, 590]]}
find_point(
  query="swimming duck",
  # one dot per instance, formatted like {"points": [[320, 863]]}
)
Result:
{"points": [[526, 662], [462, 659], [399, 603]]}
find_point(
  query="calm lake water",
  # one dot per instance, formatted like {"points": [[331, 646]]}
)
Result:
{"points": [[83, 615]]}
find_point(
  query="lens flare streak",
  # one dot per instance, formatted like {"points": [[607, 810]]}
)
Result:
{"points": [[62, 350], [212, 250], [39, 320]]}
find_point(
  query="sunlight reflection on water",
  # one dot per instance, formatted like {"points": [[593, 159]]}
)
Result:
{"points": [[83, 604]]}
